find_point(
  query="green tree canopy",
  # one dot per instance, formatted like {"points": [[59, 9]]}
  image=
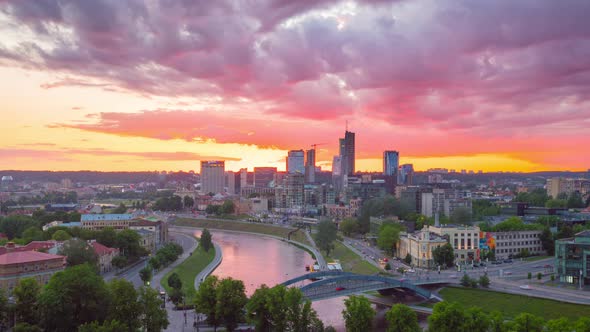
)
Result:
{"points": [[188, 201], [447, 317], [61, 235], [174, 281], [153, 318], [461, 216], [146, 274], [230, 301], [26, 295], [388, 236], [108, 326], [575, 201], [79, 252], [73, 297], [556, 203], [326, 236], [124, 307], [348, 226], [206, 240], [444, 255], [107, 237], [526, 322], [206, 300], [128, 244], [401, 318], [358, 314]]}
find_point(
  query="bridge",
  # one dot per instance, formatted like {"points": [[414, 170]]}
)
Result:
{"points": [[337, 283]]}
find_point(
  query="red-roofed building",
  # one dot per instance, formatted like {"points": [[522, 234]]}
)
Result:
{"points": [[43, 246], [105, 256], [17, 265]]}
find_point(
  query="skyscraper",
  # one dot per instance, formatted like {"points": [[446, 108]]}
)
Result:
{"points": [[263, 176], [390, 163], [347, 153], [295, 161], [405, 174], [310, 166], [212, 176]]}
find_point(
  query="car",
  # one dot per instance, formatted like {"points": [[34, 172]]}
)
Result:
{"points": [[411, 271], [526, 287], [507, 261], [453, 276], [482, 264], [508, 273], [497, 262], [475, 265], [340, 288]]}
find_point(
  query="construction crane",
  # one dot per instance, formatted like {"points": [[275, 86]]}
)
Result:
{"points": [[316, 144]]}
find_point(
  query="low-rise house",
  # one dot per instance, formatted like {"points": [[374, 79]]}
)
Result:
{"points": [[16, 265], [158, 227], [148, 240], [105, 256]]}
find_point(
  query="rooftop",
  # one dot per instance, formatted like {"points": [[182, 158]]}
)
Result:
{"points": [[108, 217], [20, 257], [101, 250]]}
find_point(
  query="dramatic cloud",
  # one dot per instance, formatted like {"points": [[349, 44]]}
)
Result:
{"points": [[481, 76]]}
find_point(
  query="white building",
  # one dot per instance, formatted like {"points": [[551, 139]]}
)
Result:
{"points": [[212, 176]]}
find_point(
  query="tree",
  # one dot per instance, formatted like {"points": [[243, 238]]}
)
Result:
{"points": [[401, 318], [447, 317], [128, 244], [32, 233], [73, 297], [257, 309], [466, 280], [582, 324], [174, 281], [213, 209], [388, 237], [206, 240], [26, 295], [547, 241], [79, 252], [107, 237], [145, 274], [120, 209], [108, 326], [228, 207], [61, 235], [188, 201], [14, 226], [176, 295], [476, 320], [26, 327], [575, 201], [119, 261], [155, 263], [539, 276], [444, 255], [348, 226], [152, 316], [206, 300], [124, 305], [497, 322], [556, 203], [326, 236], [526, 322], [559, 325], [408, 259], [358, 314], [3, 308], [230, 301], [461, 216], [484, 281]]}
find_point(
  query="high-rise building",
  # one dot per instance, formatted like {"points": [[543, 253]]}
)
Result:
{"points": [[390, 163], [230, 182], [243, 177], [263, 176], [405, 174], [310, 166], [295, 161], [212, 176], [347, 152], [337, 176]]}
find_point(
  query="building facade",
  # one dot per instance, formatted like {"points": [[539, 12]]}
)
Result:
{"points": [[347, 153], [572, 259], [516, 243], [556, 186], [158, 227], [419, 246], [390, 163], [147, 240], [310, 166], [405, 174], [212, 176], [28, 264], [100, 221], [264, 176], [296, 161], [464, 239], [105, 256]]}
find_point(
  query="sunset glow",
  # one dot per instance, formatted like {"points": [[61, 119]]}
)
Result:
{"points": [[134, 86]]}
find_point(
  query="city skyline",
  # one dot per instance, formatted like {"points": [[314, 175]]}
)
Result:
{"points": [[122, 86]]}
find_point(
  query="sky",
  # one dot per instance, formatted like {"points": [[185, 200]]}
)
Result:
{"points": [[115, 85]]}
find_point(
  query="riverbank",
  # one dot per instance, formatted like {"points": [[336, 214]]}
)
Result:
{"points": [[510, 305], [350, 261], [190, 268], [241, 226]]}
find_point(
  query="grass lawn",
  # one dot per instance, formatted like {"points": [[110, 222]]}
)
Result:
{"points": [[188, 270], [350, 261], [535, 258], [511, 305], [298, 236]]}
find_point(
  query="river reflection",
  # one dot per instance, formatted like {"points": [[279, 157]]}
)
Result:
{"points": [[258, 260]]}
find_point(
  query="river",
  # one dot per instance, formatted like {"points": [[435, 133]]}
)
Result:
{"points": [[258, 260]]}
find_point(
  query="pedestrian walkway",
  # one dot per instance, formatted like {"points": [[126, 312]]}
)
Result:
{"points": [[211, 267]]}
